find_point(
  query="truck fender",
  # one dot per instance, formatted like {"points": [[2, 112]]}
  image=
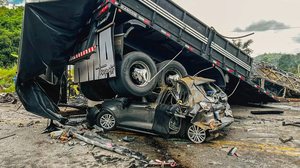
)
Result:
{"points": [[130, 25], [217, 74]]}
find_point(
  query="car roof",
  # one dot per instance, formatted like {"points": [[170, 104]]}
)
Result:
{"points": [[196, 80]]}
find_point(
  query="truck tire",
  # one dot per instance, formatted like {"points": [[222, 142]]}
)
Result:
{"points": [[133, 75], [173, 68], [97, 90]]}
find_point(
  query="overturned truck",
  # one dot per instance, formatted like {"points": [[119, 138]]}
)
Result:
{"points": [[128, 53]]}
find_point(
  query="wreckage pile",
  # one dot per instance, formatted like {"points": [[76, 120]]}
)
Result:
{"points": [[70, 134]]}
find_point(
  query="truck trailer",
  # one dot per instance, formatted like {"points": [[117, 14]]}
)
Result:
{"points": [[124, 48]]}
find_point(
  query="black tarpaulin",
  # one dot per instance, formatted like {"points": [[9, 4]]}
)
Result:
{"points": [[50, 28]]}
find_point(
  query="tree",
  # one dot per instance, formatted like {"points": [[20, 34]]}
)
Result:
{"points": [[10, 32], [288, 63], [3, 2], [244, 46]]}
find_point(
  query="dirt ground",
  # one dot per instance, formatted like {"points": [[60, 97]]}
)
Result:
{"points": [[256, 138]]}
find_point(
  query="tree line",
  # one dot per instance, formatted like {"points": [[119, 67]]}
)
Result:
{"points": [[10, 32], [286, 62]]}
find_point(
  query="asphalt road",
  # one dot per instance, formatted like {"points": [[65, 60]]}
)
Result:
{"points": [[256, 138]]}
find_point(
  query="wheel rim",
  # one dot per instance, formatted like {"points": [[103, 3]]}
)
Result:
{"points": [[140, 73], [172, 74], [196, 134], [107, 121]]}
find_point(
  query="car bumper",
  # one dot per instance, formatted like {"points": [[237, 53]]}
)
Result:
{"points": [[226, 121]]}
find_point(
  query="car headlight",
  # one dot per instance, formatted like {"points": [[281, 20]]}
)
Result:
{"points": [[205, 106]]}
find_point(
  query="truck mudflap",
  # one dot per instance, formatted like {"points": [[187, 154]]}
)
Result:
{"points": [[50, 30]]}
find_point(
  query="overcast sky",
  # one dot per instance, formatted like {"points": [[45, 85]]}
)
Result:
{"points": [[276, 23]]}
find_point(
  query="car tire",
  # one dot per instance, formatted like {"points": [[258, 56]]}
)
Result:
{"points": [[106, 120], [97, 90], [196, 134], [127, 82], [169, 68], [172, 127]]}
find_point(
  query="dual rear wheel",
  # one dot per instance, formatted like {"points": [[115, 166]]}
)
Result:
{"points": [[136, 76]]}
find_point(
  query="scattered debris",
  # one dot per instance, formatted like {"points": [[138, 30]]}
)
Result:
{"points": [[8, 98], [92, 137], [128, 139], [232, 152], [160, 163], [30, 123], [98, 129], [82, 143], [111, 147], [72, 143], [296, 124], [286, 140], [106, 159], [7, 136], [56, 134], [21, 125], [267, 112]]}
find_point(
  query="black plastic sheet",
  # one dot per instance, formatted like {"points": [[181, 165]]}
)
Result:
{"points": [[50, 29]]}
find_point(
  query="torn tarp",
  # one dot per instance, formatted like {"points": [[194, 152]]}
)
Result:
{"points": [[50, 28]]}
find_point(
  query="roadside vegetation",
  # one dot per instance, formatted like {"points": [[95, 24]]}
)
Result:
{"points": [[286, 62], [10, 32], [7, 77]]}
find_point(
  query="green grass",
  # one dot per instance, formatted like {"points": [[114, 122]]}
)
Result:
{"points": [[6, 79]]}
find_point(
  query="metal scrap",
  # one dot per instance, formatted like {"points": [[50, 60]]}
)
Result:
{"points": [[113, 148], [296, 124], [232, 152], [286, 140], [262, 112], [277, 76]]}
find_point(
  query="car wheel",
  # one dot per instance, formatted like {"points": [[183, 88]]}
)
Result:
{"points": [[106, 120], [170, 70], [97, 90], [175, 125], [196, 134], [134, 73]]}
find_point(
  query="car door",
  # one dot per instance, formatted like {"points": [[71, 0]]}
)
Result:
{"points": [[138, 115]]}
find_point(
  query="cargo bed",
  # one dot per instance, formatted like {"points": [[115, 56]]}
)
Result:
{"points": [[203, 41]]}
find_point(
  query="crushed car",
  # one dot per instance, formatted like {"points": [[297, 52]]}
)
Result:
{"points": [[193, 107]]}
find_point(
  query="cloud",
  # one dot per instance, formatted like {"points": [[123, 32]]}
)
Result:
{"points": [[263, 25], [297, 39]]}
